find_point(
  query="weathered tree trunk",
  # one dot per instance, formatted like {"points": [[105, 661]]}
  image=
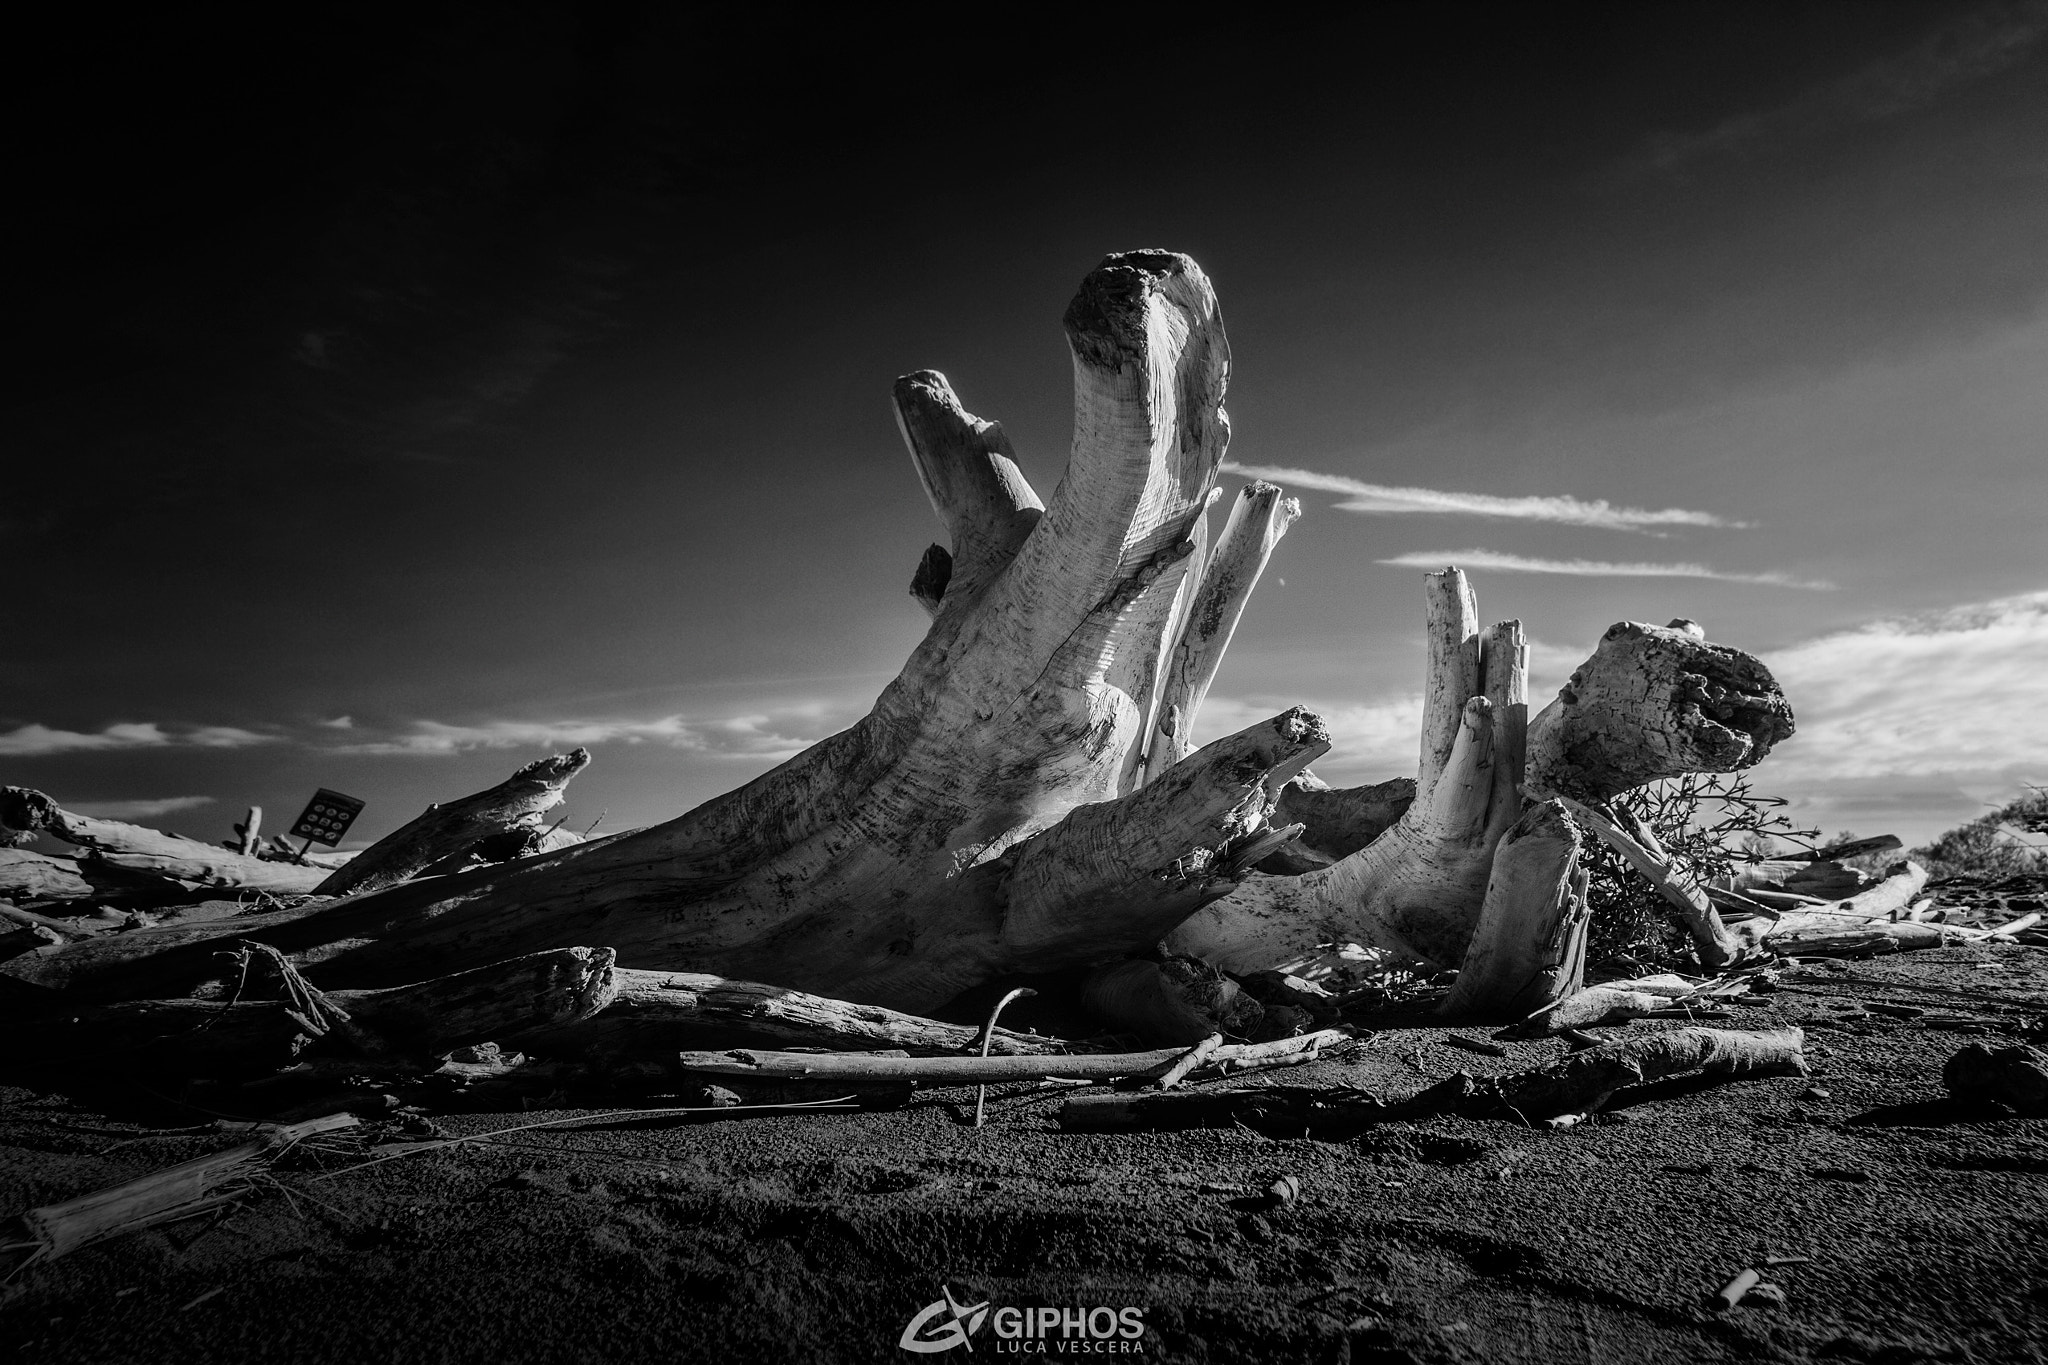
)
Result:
{"points": [[452, 831]]}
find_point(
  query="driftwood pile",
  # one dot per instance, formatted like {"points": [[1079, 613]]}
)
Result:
{"points": [[1025, 800]]}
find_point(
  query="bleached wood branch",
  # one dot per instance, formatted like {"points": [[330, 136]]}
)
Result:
{"points": [[1258, 519]]}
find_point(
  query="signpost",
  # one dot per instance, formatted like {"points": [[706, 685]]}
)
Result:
{"points": [[326, 819]]}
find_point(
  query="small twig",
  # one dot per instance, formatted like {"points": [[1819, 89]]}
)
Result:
{"points": [[417, 1148], [988, 1036]]}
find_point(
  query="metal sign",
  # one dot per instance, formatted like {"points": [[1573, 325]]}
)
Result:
{"points": [[327, 818]]}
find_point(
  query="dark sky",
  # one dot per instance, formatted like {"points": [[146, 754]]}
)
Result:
{"points": [[396, 401]]}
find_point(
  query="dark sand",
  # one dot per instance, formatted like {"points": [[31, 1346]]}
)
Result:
{"points": [[817, 1237]]}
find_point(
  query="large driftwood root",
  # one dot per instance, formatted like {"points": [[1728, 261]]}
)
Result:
{"points": [[994, 813]]}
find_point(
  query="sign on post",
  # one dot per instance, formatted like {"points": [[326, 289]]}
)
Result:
{"points": [[327, 818]]}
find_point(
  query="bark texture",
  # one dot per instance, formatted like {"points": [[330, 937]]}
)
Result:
{"points": [[423, 1019], [1654, 702], [1529, 949]]}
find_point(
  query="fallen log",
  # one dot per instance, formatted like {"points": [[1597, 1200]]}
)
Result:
{"points": [[1848, 936], [1610, 1002], [1571, 1085], [661, 1012], [146, 857], [1819, 880], [456, 827], [421, 1020], [179, 1192], [830, 1068]]}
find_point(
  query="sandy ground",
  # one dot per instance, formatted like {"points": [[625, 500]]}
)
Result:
{"points": [[817, 1237]]}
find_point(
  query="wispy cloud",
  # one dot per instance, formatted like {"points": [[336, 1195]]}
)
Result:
{"points": [[149, 809], [36, 740], [758, 735], [1386, 499], [1914, 725], [1972, 45], [1594, 568], [1959, 691]]}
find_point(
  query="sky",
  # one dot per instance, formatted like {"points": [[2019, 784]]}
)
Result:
{"points": [[395, 401]]}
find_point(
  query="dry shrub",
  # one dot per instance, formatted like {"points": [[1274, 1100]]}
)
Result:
{"points": [[1709, 823]]}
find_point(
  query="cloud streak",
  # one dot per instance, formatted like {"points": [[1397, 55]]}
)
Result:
{"points": [[763, 735], [1595, 568], [1388, 500], [146, 809], [36, 740]]}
